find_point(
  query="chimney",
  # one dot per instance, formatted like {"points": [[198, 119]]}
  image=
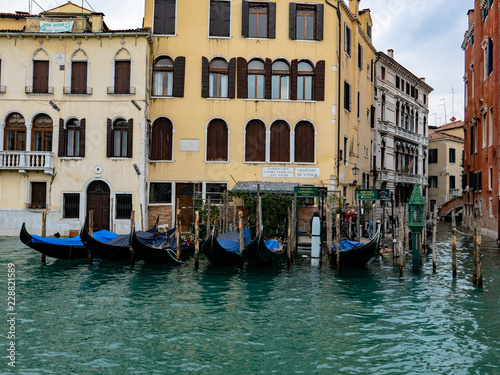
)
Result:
{"points": [[390, 53], [97, 22]]}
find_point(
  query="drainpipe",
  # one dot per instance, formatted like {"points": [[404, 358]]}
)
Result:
{"points": [[339, 64]]}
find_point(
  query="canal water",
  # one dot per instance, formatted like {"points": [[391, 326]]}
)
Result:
{"points": [[112, 318]]}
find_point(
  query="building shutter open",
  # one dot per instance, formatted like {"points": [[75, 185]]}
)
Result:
{"points": [[179, 77]]}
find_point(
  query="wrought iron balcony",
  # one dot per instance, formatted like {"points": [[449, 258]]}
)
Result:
{"points": [[68, 90], [27, 160]]}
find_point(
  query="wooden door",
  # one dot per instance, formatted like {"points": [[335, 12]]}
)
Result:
{"points": [[184, 193], [98, 200]]}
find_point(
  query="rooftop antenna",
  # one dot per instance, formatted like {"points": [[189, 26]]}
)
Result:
{"points": [[453, 92], [444, 104]]}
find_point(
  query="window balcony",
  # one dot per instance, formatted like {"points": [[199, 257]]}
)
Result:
{"points": [[27, 160], [39, 91], [454, 193], [408, 178], [117, 91], [411, 136], [68, 90]]}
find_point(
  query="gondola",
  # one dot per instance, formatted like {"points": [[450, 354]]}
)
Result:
{"points": [[352, 256], [224, 250], [160, 248], [265, 253], [61, 248]]}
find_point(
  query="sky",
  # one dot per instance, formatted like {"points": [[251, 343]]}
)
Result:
{"points": [[426, 36]]}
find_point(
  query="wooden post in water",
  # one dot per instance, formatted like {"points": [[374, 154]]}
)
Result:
{"points": [[349, 227], [208, 230], [337, 223], [358, 220], [474, 256], [405, 229], [424, 238], [44, 230], [453, 243], [178, 234], [399, 251], [91, 232], [293, 240], [132, 226], [234, 213], [329, 231], [141, 220], [240, 229], [434, 230], [479, 259], [196, 239], [289, 237], [259, 210]]}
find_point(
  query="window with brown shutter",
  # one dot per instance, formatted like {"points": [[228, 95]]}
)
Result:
{"points": [[40, 77], [79, 77], [306, 21], [122, 77], [72, 139], [231, 90], [163, 76], [304, 142], [280, 142], [119, 138], [218, 78], [217, 141], [242, 77], [305, 81], [319, 81], [255, 141], [256, 79], [205, 80], [164, 17], [280, 80], [220, 20], [161, 140], [38, 194], [179, 76]]}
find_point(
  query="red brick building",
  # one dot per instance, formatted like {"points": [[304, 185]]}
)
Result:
{"points": [[481, 130]]}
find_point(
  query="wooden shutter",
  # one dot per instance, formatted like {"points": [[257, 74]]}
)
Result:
{"points": [[82, 137], [79, 77], [304, 142], [130, 136], [62, 139], [244, 18], [161, 140], [164, 17], [220, 18], [293, 79], [179, 77], [205, 70], [255, 141], [271, 19], [40, 76], [292, 21], [122, 77], [109, 139], [39, 193], [217, 141], [268, 76], [319, 21], [242, 79], [319, 81], [231, 78], [280, 142]]}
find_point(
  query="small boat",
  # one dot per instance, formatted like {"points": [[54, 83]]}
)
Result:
{"points": [[160, 248], [224, 250], [355, 254], [61, 248], [264, 253]]}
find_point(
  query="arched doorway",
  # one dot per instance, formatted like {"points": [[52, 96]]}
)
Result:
{"points": [[98, 200]]}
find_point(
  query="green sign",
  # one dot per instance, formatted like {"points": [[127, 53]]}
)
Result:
{"points": [[310, 191], [56, 27], [372, 194]]}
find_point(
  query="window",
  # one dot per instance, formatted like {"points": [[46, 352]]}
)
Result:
{"points": [[218, 78], [485, 129], [123, 206], [163, 76], [122, 73], [215, 191], [160, 192], [259, 20], [346, 151], [79, 70], [488, 58], [280, 80], [472, 140], [358, 105], [347, 96], [397, 82], [255, 141], [119, 138], [369, 30], [382, 109], [41, 138], [15, 133], [452, 155], [220, 18], [304, 142], [38, 195], [40, 73], [360, 56], [72, 138], [433, 156], [164, 17], [280, 142], [382, 72], [490, 179], [305, 81], [71, 205], [490, 143], [306, 21], [433, 182], [452, 182], [161, 140], [347, 40], [256, 79], [217, 141]]}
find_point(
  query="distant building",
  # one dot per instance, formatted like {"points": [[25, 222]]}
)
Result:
{"points": [[446, 148], [400, 132], [481, 79]]}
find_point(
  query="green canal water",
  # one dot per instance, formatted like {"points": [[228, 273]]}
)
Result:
{"points": [[112, 318]]}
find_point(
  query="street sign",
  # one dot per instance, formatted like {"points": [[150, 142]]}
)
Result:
{"points": [[310, 191], [373, 194]]}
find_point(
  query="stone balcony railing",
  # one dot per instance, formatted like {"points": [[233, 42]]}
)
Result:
{"points": [[403, 133], [454, 193], [27, 160], [408, 178]]}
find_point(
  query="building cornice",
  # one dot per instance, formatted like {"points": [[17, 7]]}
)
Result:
{"points": [[467, 36], [113, 34]]}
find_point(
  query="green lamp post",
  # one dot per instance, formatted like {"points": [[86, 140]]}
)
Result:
{"points": [[416, 223]]}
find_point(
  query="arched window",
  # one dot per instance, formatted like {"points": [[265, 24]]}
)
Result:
{"points": [[79, 68], [218, 78], [280, 80], [255, 141], [305, 82], [280, 142], [304, 142], [15, 133], [161, 140], [40, 73], [122, 72], [41, 138], [163, 76], [217, 141], [72, 139], [256, 81]]}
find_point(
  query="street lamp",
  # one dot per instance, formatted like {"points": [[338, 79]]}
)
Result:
{"points": [[416, 223], [355, 170]]}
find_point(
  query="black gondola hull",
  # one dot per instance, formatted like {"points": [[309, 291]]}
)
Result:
{"points": [[358, 257], [104, 250], [218, 256], [258, 254]]}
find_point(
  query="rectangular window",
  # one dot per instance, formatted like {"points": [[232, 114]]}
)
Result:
{"points": [[215, 191], [491, 126], [40, 76], [452, 182], [120, 143], [123, 206], [382, 73], [433, 182], [452, 156], [220, 18], [306, 20], [122, 77], [346, 151], [257, 20], [369, 30], [347, 96], [490, 179], [358, 104], [397, 82], [485, 129], [164, 17], [433, 155], [38, 194], [347, 40], [71, 205], [360, 56], [160, 192]]}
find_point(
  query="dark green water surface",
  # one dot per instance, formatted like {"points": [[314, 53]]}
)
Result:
{"points": [[112, 318]]}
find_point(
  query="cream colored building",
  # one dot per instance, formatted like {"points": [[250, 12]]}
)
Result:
{"points": [[446, 148], [275, 91], [73, 116]]}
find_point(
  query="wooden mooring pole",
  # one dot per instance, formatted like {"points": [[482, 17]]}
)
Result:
{"points": [[132, 225], [434, 231], [477, 271], [44, 230], [196, 239], [91, 232], [178, 234], [289, 239], [208, 230], [294, 226], [329, 231], [453, 243], [337, 222], [240, 229], [399, 250]]}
